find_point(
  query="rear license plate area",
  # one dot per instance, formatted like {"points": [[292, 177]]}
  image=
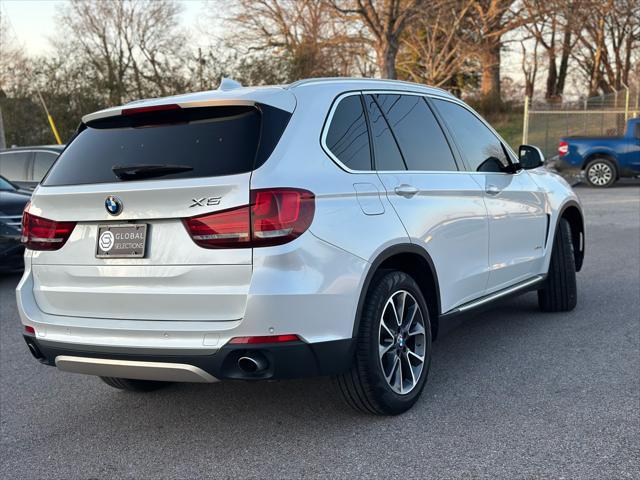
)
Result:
{"points": [[121, 241]]}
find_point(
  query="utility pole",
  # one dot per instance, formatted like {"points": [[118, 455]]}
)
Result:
{"points": [[50, 118], [3, 143]]}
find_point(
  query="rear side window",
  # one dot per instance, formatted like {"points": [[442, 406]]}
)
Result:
{"points": [[14, 165], [347, 136], [422, 142], [203, 142], [386, 153], [42, 163], [480, 147]]}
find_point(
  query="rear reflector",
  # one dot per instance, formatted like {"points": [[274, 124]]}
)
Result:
{"points": [[563, 149], [29, 329], [43, 234], [275, 216], [264, 339]]}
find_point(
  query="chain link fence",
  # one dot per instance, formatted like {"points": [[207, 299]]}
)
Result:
{"points": [[605, 115]]}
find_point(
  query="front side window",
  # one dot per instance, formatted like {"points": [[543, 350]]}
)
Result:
{"points": [[386, 153], [422, 142], [347, 136], [480, 147]]}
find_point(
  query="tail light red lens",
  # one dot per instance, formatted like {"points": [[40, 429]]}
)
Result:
{"points": [[225, 229], [279, 215], [264, 339], [43, 234], [563, 149], [274, 216]]}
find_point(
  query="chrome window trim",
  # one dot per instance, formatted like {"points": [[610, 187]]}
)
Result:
{"points": [[339, 98]]}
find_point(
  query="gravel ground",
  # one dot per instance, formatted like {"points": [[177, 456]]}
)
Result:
{"points": [[513, 393]]}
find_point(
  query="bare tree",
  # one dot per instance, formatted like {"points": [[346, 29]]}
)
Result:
{"points": [[13, 60], [306, 32], [554, 28], [609, 38], [434, 47], [385, 22], [131, 45], [156, 48], [530, 67], [489, 21]]}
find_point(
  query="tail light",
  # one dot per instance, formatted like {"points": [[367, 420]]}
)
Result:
{"points": [[563, 149], [43, 234], [274, 216]]}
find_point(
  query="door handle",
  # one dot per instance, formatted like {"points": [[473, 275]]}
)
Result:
{"points": [[492, 190], [405, 190]]}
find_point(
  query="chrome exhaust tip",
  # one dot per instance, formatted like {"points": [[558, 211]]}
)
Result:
{"points": [[35, 351], [253, 363]]}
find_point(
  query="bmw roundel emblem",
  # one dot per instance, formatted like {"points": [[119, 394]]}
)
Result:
{"points": [[113, 205]]}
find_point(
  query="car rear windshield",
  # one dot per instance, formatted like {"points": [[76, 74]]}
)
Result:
{"points": [[202, 142]]}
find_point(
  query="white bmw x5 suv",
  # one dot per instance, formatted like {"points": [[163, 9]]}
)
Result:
{"points": [[325, 227]]}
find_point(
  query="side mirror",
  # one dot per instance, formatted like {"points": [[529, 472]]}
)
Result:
{"points": [[530, 157]]}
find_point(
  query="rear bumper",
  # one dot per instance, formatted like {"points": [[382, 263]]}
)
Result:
{"points": [[283, 361], [307, 288]]}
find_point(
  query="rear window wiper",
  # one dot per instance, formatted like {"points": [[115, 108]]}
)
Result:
{"points": [[145, 170]]}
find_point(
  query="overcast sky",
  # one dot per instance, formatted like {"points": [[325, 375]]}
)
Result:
{"points": [[33, 21]]}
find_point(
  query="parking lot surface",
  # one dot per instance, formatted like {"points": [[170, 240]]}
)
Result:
{"points": [[513, 393]]}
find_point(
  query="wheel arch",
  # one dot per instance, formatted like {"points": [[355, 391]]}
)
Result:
{"points": [[572, 212], [415, 261], [608, 154]]}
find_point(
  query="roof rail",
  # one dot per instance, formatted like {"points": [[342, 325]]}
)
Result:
{"points": [[307, 81]]}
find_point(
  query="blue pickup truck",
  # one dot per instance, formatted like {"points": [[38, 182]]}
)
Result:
{"points": [[602, 160]]}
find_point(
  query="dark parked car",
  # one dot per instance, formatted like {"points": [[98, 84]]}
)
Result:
{"points": [[26, 166], [12, 202]]}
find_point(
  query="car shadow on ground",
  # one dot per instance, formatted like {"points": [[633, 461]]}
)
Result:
{"points": [[466, 345]]}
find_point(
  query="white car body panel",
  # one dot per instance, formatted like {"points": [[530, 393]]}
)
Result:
{"points": [[518, 227], [448, 218]]}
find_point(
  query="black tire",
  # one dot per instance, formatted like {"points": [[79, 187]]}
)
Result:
{"points": [[133, 385], [601, 173], [364, 387], [560, 293]]}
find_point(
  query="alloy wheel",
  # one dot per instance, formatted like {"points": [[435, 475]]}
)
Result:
{"points": [[402, 342], [600, 174]]}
